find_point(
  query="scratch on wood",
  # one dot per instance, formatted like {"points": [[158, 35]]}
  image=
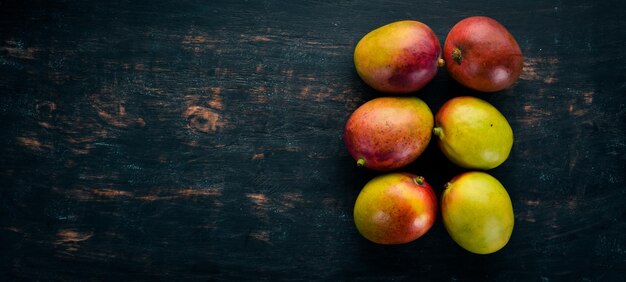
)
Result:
{"points": [[261, 235], [98, 176], [151, 198], [216, 90], [324, 93], [289, 200], [258, 156], [201, 88], [293, 197], [45, 107], [139, 67], [224, 72], [550, 80], [45, 124], [190, 39], [78, 140], [288, 73], [118, 122], [331, 204], [258, 199], [576, 112], [564, 233], [540, 69], [319, 94], [13, 228], [70, 239], [261, 38], [199, 42], [305, 91], [216, 98], [533, 115], [16, 49], [154, 89], [528, 216], [212, 92], [322, 45], [318, 155], [85, 149], [111, 193], [142, 67], [588, 97], [255, 38], [190, 192], [33, 143], [307, 78], [113, 110], [82, 145], [261, 207], [352, 101], [259, 94], [532, 203], [92, 194], [291, 148]]}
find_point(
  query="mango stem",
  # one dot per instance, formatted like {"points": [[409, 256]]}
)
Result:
{"points": [[360, 162], [457, 55], [438, 131], [418, 180]]}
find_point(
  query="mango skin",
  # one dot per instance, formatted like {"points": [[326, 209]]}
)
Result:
{"points": [[387, 133], [477, 212], [488, 58], [400, 57], [395, 209], [472, 133]]}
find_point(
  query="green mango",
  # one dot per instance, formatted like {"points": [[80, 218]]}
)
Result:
{"points": [[473, 133], [477, 212]]}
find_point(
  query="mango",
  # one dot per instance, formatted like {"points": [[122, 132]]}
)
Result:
{"points": [[387, 133], [477, 212], [472, 133], [400, 57], [395, 208]]}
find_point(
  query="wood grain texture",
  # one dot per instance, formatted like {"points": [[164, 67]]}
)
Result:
{"points": [[202, 140]]}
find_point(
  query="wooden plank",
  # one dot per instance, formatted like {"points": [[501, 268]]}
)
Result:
{"points": [[202, 140]]}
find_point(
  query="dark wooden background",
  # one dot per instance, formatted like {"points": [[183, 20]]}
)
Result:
{"points": [[202, 140]]}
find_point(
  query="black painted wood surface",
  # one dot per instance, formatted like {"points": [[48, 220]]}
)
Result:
{"points": [[202, 140]]}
